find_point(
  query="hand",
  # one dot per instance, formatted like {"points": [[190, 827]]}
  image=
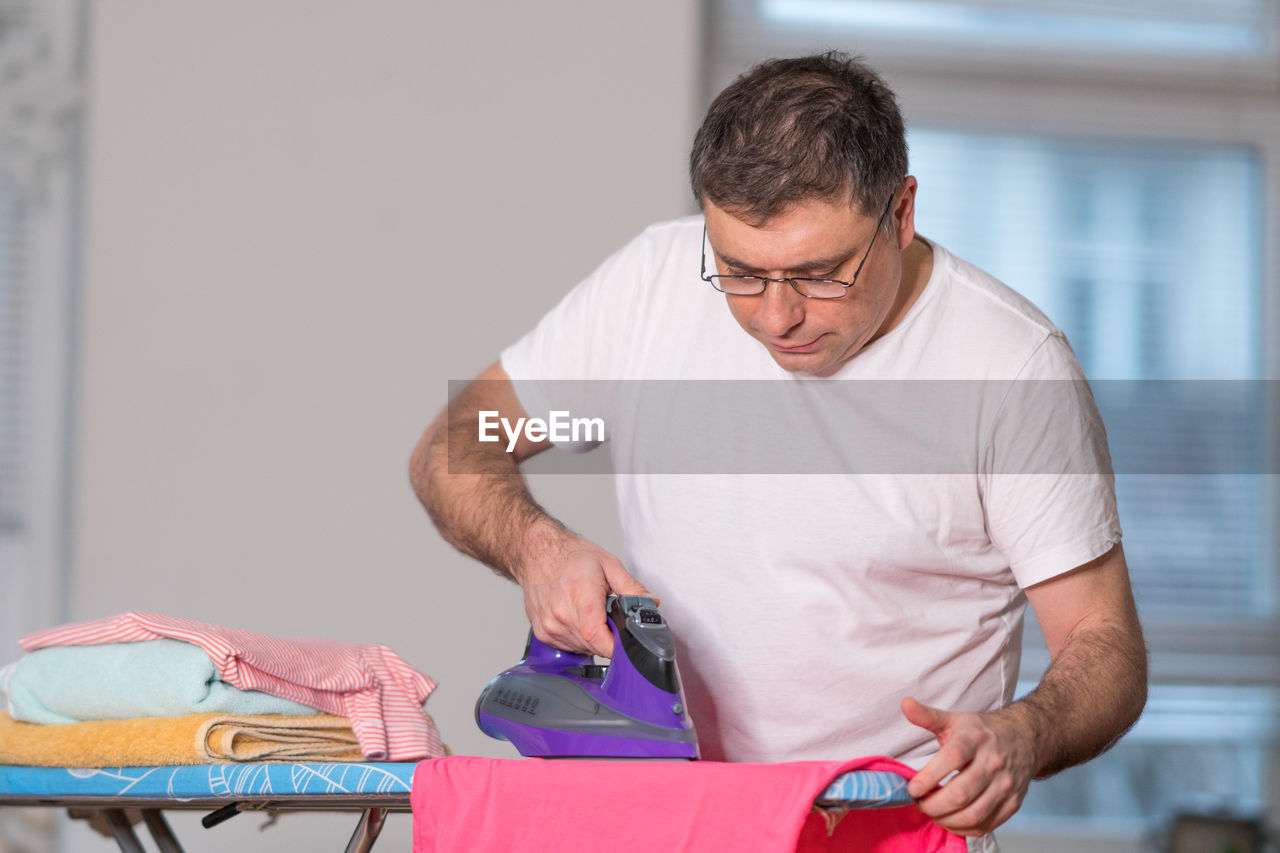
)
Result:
{"points": [[565, 583], [993, 758]]}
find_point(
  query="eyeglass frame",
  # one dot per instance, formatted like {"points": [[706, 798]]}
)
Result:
{"points": [[791, 280]]}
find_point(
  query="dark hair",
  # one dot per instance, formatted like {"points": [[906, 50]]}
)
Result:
{"points": [[814, 127]]}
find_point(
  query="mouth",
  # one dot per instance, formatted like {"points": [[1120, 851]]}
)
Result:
{"points": [[800, 348]]}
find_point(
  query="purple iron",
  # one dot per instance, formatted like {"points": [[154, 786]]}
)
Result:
{"points": [[556, 704]]}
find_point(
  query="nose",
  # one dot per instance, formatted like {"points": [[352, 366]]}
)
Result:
{"points": [[781, 309]]}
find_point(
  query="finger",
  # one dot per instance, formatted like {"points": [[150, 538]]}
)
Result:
{"points": [[557, 637], [599, 639], [946, 760], [950, 758], [959, 793], [924, 716], [1007, 810], [555, 624], [593, 625], [621, 581], [548, 626], [984, 812]]}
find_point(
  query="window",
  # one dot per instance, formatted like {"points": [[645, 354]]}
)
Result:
{"points": [[1148, 256], [40, 66], [39, 115], [1117, 163]]}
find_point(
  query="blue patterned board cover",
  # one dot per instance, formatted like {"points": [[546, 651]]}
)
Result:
{"points": [[867, 789], [858, 789], [203, 781]]}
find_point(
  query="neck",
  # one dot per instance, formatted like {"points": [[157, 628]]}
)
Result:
{"points": [[917, 266]]}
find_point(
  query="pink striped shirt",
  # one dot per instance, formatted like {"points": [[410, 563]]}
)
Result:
{"points": [[370, 685]]}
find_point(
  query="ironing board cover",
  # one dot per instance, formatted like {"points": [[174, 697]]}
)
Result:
{"points": [[203, 781], [859, 789]]}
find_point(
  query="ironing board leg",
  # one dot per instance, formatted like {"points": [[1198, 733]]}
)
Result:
{"points": [[367, 830], [122, 831], [160, 831]]}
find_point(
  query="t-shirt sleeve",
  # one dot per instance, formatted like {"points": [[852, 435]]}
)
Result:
{"points": [[572, 359], [1048, 486]]}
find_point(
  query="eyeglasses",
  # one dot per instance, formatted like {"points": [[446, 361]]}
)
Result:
{"points": [[813, 288]]}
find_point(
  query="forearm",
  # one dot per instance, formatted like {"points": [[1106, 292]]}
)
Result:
{"points": [[484, 509], [1090, 695]]}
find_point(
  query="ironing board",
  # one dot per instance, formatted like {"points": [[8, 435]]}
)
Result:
{"points": [[372, 789]]}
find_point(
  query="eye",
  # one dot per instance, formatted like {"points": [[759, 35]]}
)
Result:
{"points": [[831, 272]]}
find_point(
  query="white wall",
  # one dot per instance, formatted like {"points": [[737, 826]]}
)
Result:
{"points": [[302, 220]]}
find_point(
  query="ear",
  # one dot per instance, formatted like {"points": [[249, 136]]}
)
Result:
{"points": [[904, 212]]}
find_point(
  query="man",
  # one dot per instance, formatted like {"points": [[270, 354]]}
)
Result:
{"points": [[857, 611]]}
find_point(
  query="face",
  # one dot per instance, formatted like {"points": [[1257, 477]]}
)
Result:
{"points": [[816, 239]]}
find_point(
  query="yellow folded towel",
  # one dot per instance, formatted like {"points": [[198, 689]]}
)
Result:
{"points": [[269, 738], [193, 739]]}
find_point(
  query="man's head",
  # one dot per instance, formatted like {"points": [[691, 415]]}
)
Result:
{"points": [[794, 166], [816, 128]]}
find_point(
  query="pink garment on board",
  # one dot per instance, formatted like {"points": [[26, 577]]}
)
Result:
{"points": [[493, 805], [370, 685]]}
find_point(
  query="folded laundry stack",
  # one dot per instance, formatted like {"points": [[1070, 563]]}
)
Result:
{"points": [[141, 689]]}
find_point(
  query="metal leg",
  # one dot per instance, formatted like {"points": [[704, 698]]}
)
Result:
{"points": [[216, 817], [160, 831], [367, 830], [122, 831]]}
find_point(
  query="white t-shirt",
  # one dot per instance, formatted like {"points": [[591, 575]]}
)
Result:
{"points": [[807, 602]]}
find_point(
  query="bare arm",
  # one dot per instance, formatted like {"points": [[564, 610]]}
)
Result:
{"points": [[484, 509], [1096, 685], [1093, 691], [486, 513]]}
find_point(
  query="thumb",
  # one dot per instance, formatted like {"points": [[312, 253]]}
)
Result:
{"points": [[924, 716], [621, 582]]}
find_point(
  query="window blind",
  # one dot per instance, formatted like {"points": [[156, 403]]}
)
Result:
{"points": [[15, 16], [1146, 255], [12, 361], [39, 50], [39, 111]]}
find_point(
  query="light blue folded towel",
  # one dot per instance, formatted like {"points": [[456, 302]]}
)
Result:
{"points": [[120, 681]]}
